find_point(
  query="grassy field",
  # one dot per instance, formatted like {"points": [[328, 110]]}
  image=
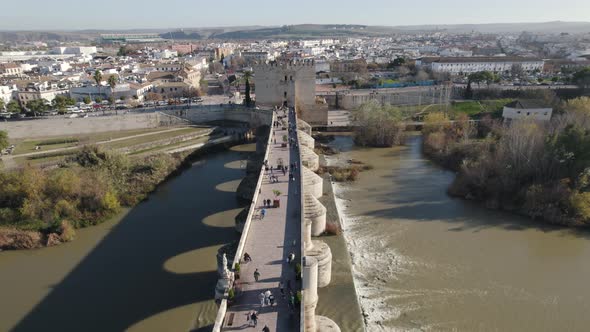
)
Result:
{"points": [[49, 153], [27, 146], [151, 138], [476, 109], [165, 148]]}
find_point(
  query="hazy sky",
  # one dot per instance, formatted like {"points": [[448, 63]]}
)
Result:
{"points": [[117, 14]]}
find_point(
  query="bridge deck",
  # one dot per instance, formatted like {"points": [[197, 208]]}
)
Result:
{"points": [[269, 242]]}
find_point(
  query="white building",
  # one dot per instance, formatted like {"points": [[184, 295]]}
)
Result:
{"points": [[7, 93], [75, 50], [476, 64], [165, 54], [527, 109]]}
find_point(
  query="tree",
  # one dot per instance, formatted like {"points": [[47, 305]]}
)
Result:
{"points": [[61, 102], [377, 125], [98, 100], [516, 71], [112, 82], [37, 105], [153, 96], [481, 77], [13, 107], [111, 100], [397, 62], [98, 78], [122, 51], [247, 76], [582, 78], [3, 139], [87, 100], [468, 91]]}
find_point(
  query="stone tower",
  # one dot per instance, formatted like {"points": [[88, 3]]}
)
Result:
{"points": [[290, 83]]}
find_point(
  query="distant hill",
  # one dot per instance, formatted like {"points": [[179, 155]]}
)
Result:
{"points": [[301, 31], [543, 27]]}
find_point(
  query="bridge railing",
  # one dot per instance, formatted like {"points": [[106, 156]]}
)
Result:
{"points": [[220, 319]]}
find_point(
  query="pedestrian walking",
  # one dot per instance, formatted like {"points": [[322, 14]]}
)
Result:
{"points": [[254, 318], [256, 275], [262, 213], [291, 301], [261, 299], [265, 329], [281, 289]]}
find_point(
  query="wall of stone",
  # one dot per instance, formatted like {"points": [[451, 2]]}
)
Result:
{"points": [[60, 126], [350, 100]]}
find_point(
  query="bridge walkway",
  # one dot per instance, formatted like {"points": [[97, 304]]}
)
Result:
{"points": [[270, 240]]}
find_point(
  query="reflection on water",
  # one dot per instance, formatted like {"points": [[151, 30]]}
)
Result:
{"points": [[425, 261], [154, 268]]}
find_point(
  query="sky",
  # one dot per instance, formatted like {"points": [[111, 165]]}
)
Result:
{"points": [[134, 14]]}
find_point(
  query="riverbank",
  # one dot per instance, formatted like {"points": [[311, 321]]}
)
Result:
{"points": [[150, 268], [111, 179]]}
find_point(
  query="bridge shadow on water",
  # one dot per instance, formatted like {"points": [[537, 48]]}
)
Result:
{"points": [[123, 280]]}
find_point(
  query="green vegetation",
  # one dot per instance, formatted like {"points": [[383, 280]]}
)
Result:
{"points": [[541, 170], [62, 102], [248, 98], [476, 109], [13, 107], [58, 141], [378, 126], [582, 78], [90, 187], [3, 140], [345, 173]]}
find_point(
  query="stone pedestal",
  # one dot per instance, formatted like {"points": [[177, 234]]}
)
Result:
{"points": [[312, 183], [310, 292], [316, 212], [325, 324], [305, 139], [309, 158], [323, 254]]}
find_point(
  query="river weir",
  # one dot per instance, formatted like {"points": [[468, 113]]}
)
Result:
{"points": [[423, 261]]}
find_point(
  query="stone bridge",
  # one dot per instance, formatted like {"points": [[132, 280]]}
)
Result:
{"points": [[287, 227]]}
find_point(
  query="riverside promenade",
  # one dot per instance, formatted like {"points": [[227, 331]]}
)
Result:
{"points": [[270, 240]]}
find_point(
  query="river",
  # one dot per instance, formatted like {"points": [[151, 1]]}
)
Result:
{"points": [[423, 261], [152, 268]]}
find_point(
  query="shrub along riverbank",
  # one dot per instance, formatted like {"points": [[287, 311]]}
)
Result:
{"points": [[43, 207], [538, 169]]}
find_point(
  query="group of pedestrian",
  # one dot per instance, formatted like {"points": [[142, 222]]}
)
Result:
{"points": [[266, 299], [273, 178], [267, 203]]}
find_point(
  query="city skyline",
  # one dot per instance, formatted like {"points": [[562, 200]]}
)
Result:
{"points": [[70, 15]]}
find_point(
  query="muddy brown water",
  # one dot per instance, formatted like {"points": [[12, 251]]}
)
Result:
{"points": [[425, 261], [152, 268]]}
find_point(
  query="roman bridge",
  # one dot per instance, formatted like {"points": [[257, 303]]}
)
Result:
{"points": [[291, 225]]}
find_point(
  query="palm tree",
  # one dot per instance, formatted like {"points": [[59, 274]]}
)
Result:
{"points": [[247, 77], [112, 82], [98, 78]]}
